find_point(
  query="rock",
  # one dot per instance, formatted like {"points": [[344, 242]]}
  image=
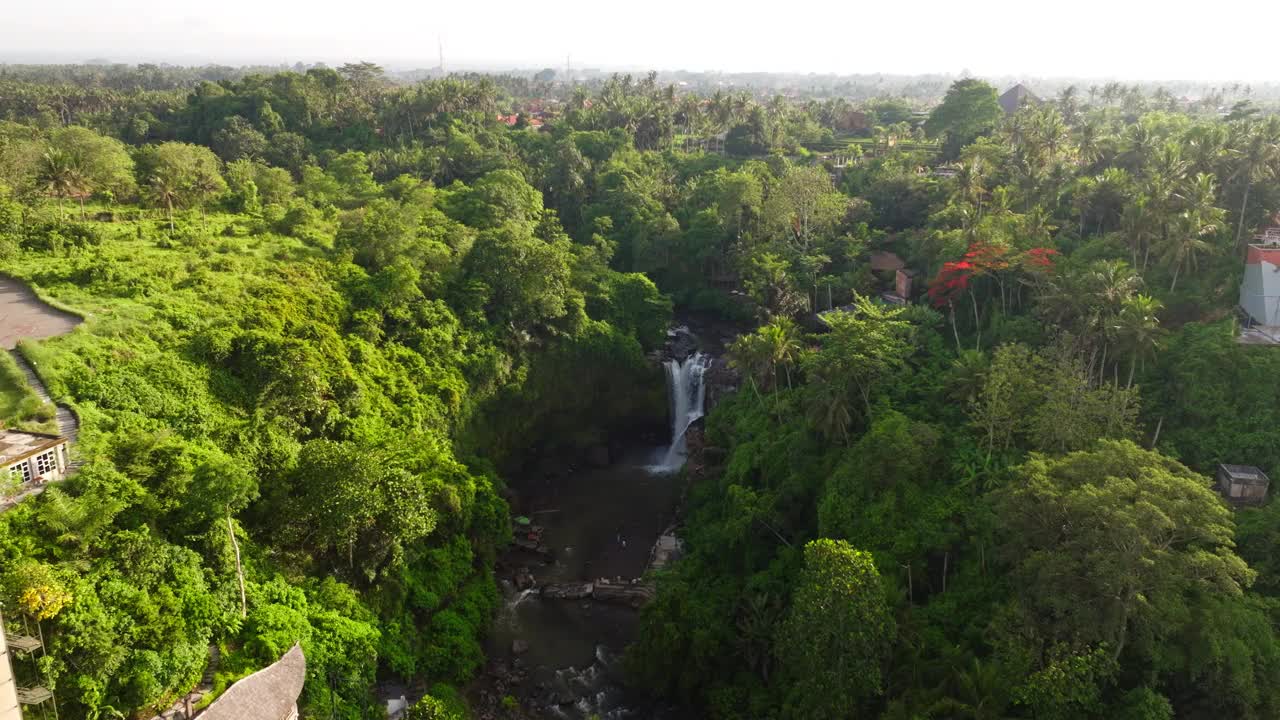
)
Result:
{"points": [[568, 591], [713, 455], [598, 456], [667, 550], [519, 647], [622, 592], [681, 343], [720, 380], [530, 545], [524, 579], [695, 438]]}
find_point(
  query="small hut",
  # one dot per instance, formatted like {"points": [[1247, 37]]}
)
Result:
{"points": [[269, 694], [1242, 484]]}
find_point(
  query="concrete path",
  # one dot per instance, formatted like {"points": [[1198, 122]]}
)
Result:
{"points": [[23, 315], [68, 423]]}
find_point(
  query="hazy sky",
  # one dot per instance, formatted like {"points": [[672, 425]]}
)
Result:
{"points": [[1127, 39]]}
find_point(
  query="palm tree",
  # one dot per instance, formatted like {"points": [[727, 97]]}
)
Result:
{"points": [[968, 372], [971, 178], [1112, 283], [756, 621], [1199, 219], [1206, 145], [61, 175], [1137, 329], [979, 692], [781, 338], [1141, 142], [750, 356], [1069, 103], [166, 188], [830, 407], [1082, 198], [1092, 139], [1257, 145]]}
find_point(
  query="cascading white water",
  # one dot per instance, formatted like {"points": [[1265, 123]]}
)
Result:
{"points": [[687, 397]]}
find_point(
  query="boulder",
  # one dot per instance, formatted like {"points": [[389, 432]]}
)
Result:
{"points": [[567, 591], [667, 550], [681, 343], [524, 579], [519, 647], [622, 592]]}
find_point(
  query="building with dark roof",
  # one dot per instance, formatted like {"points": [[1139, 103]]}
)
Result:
{"points": [[269, 694], [1015, 97]]}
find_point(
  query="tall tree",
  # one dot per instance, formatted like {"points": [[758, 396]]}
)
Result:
{"points": [[1111, 545], [834, 642], [863, 347], [79, 162], [1199, 219], [1256, 148], [969, 111], [1137, 330], [181, 175]]}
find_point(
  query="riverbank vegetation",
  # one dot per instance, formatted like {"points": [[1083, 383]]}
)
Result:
{"points": [[327, 313]]}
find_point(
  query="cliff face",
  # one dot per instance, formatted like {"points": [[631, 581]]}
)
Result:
{"points": [[721, 380]]}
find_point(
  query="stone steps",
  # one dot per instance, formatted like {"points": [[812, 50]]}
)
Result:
{"points": [[68, 422]]}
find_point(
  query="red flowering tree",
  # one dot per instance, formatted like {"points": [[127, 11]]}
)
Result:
{"points": [[1038, 260], [958, 278]]}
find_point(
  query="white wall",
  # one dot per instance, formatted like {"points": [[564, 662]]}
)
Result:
{"points": [[9, 709]]}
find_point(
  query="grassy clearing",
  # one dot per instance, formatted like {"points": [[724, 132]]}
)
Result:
{"points": [[143, 295]]}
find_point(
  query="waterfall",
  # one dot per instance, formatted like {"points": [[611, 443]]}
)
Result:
{"points": [[687, 395], [519, 597]]}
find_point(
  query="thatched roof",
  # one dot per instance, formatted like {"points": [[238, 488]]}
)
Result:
{"points": [[269, 694], [883, 260]]}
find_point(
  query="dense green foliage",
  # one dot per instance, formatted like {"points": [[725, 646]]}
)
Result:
{"points": [[991, 460], [326, 312], [308, 376]]}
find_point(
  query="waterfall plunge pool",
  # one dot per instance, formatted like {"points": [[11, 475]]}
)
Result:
{"points": [[597, 523]]}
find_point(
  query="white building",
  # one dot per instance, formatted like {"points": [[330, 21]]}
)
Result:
{"points": [[33, 458], [9, 709], [14, 695]]}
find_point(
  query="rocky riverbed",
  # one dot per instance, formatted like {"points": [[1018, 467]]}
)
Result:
{"points": [[573, 580]]}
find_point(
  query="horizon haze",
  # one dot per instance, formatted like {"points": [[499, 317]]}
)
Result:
{"points": [[1094, 39]]}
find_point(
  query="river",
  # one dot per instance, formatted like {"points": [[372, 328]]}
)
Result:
{"points": [[597, 523], [562, 658]]}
